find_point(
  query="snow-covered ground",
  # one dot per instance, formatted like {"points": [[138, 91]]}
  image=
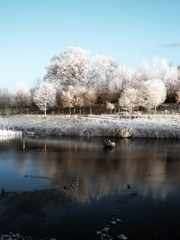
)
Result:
{"points": [[158, 126]]}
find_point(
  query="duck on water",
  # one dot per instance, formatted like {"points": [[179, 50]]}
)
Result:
{"points": [[108, 143]]}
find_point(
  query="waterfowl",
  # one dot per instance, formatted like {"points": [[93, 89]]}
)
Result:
{"points": [[118, 220], [113, 222], [109, 144], [102, 235], [128, 186], [121, 236], [106, 229]]}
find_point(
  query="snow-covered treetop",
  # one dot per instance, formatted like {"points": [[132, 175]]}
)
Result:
{"points": [[129, 99], [151, 93], [5, 97], [69, 68], [105, 68], [159, 69], [22, 95], [45, 96], [104, 75]]}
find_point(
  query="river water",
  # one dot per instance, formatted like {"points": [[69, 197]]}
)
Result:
{"points": [[149, 209]]}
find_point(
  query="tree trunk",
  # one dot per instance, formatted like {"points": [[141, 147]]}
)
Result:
{"points": [[130, 112], [59, 110], [154, 110], [170, 103], [70, 111], [90, 110], [12, 110], [177, 107], [80, 110], [45, 112]]}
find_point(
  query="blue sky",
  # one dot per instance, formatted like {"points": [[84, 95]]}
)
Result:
{"points": [[130, 31]]}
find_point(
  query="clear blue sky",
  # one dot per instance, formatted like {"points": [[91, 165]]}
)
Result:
{"points": [[130, 31]]}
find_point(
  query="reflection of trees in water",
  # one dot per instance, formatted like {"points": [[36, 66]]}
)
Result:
{"points": [[100, 178], [67, 160], [59, 144], [125, 141]]}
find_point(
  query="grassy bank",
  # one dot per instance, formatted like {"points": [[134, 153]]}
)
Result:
{"points": [[157, 126]]}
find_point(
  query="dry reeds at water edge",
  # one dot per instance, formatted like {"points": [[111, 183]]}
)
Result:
{"points": [[6, 132], [9, 133]]}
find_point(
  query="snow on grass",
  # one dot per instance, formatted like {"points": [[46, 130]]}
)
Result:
{"points": [[5, 132], [167, 126]]}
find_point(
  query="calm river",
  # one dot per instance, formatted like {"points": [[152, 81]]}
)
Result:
{"points": [[150, 209]]}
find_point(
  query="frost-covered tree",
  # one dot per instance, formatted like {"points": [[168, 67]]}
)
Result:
{"points": [[168, 74], [4, 100], [73, 97], [159, 69], [116, 84], [71, 67], [177, 98], [105, 67], [12, 103], [58, 97], [164, 71], [172, 88], [122, 79], [110, 106], [105, 72], [151, 93], [36, 84], [144, 72], [22, 97], [45, 97], [80, 102], [178, 72], [79, 95], [67, 100], [129, 99], [90, 98]]}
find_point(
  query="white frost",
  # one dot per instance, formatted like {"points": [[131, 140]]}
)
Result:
{"points": [[94, 126]]}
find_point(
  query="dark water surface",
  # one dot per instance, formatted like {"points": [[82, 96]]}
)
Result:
{"points": [[149, 210]]}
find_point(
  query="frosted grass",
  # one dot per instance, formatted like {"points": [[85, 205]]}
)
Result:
{"points": [[93, 126], [6, 132]]}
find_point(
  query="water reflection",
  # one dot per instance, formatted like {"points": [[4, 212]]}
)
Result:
{"points": [[150, 166]]}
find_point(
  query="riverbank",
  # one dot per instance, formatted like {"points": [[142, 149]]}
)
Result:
{"points": [[157, 126]]}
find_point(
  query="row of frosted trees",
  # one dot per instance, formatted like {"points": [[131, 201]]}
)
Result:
{"points": [[22, 99], [76, 80]]}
